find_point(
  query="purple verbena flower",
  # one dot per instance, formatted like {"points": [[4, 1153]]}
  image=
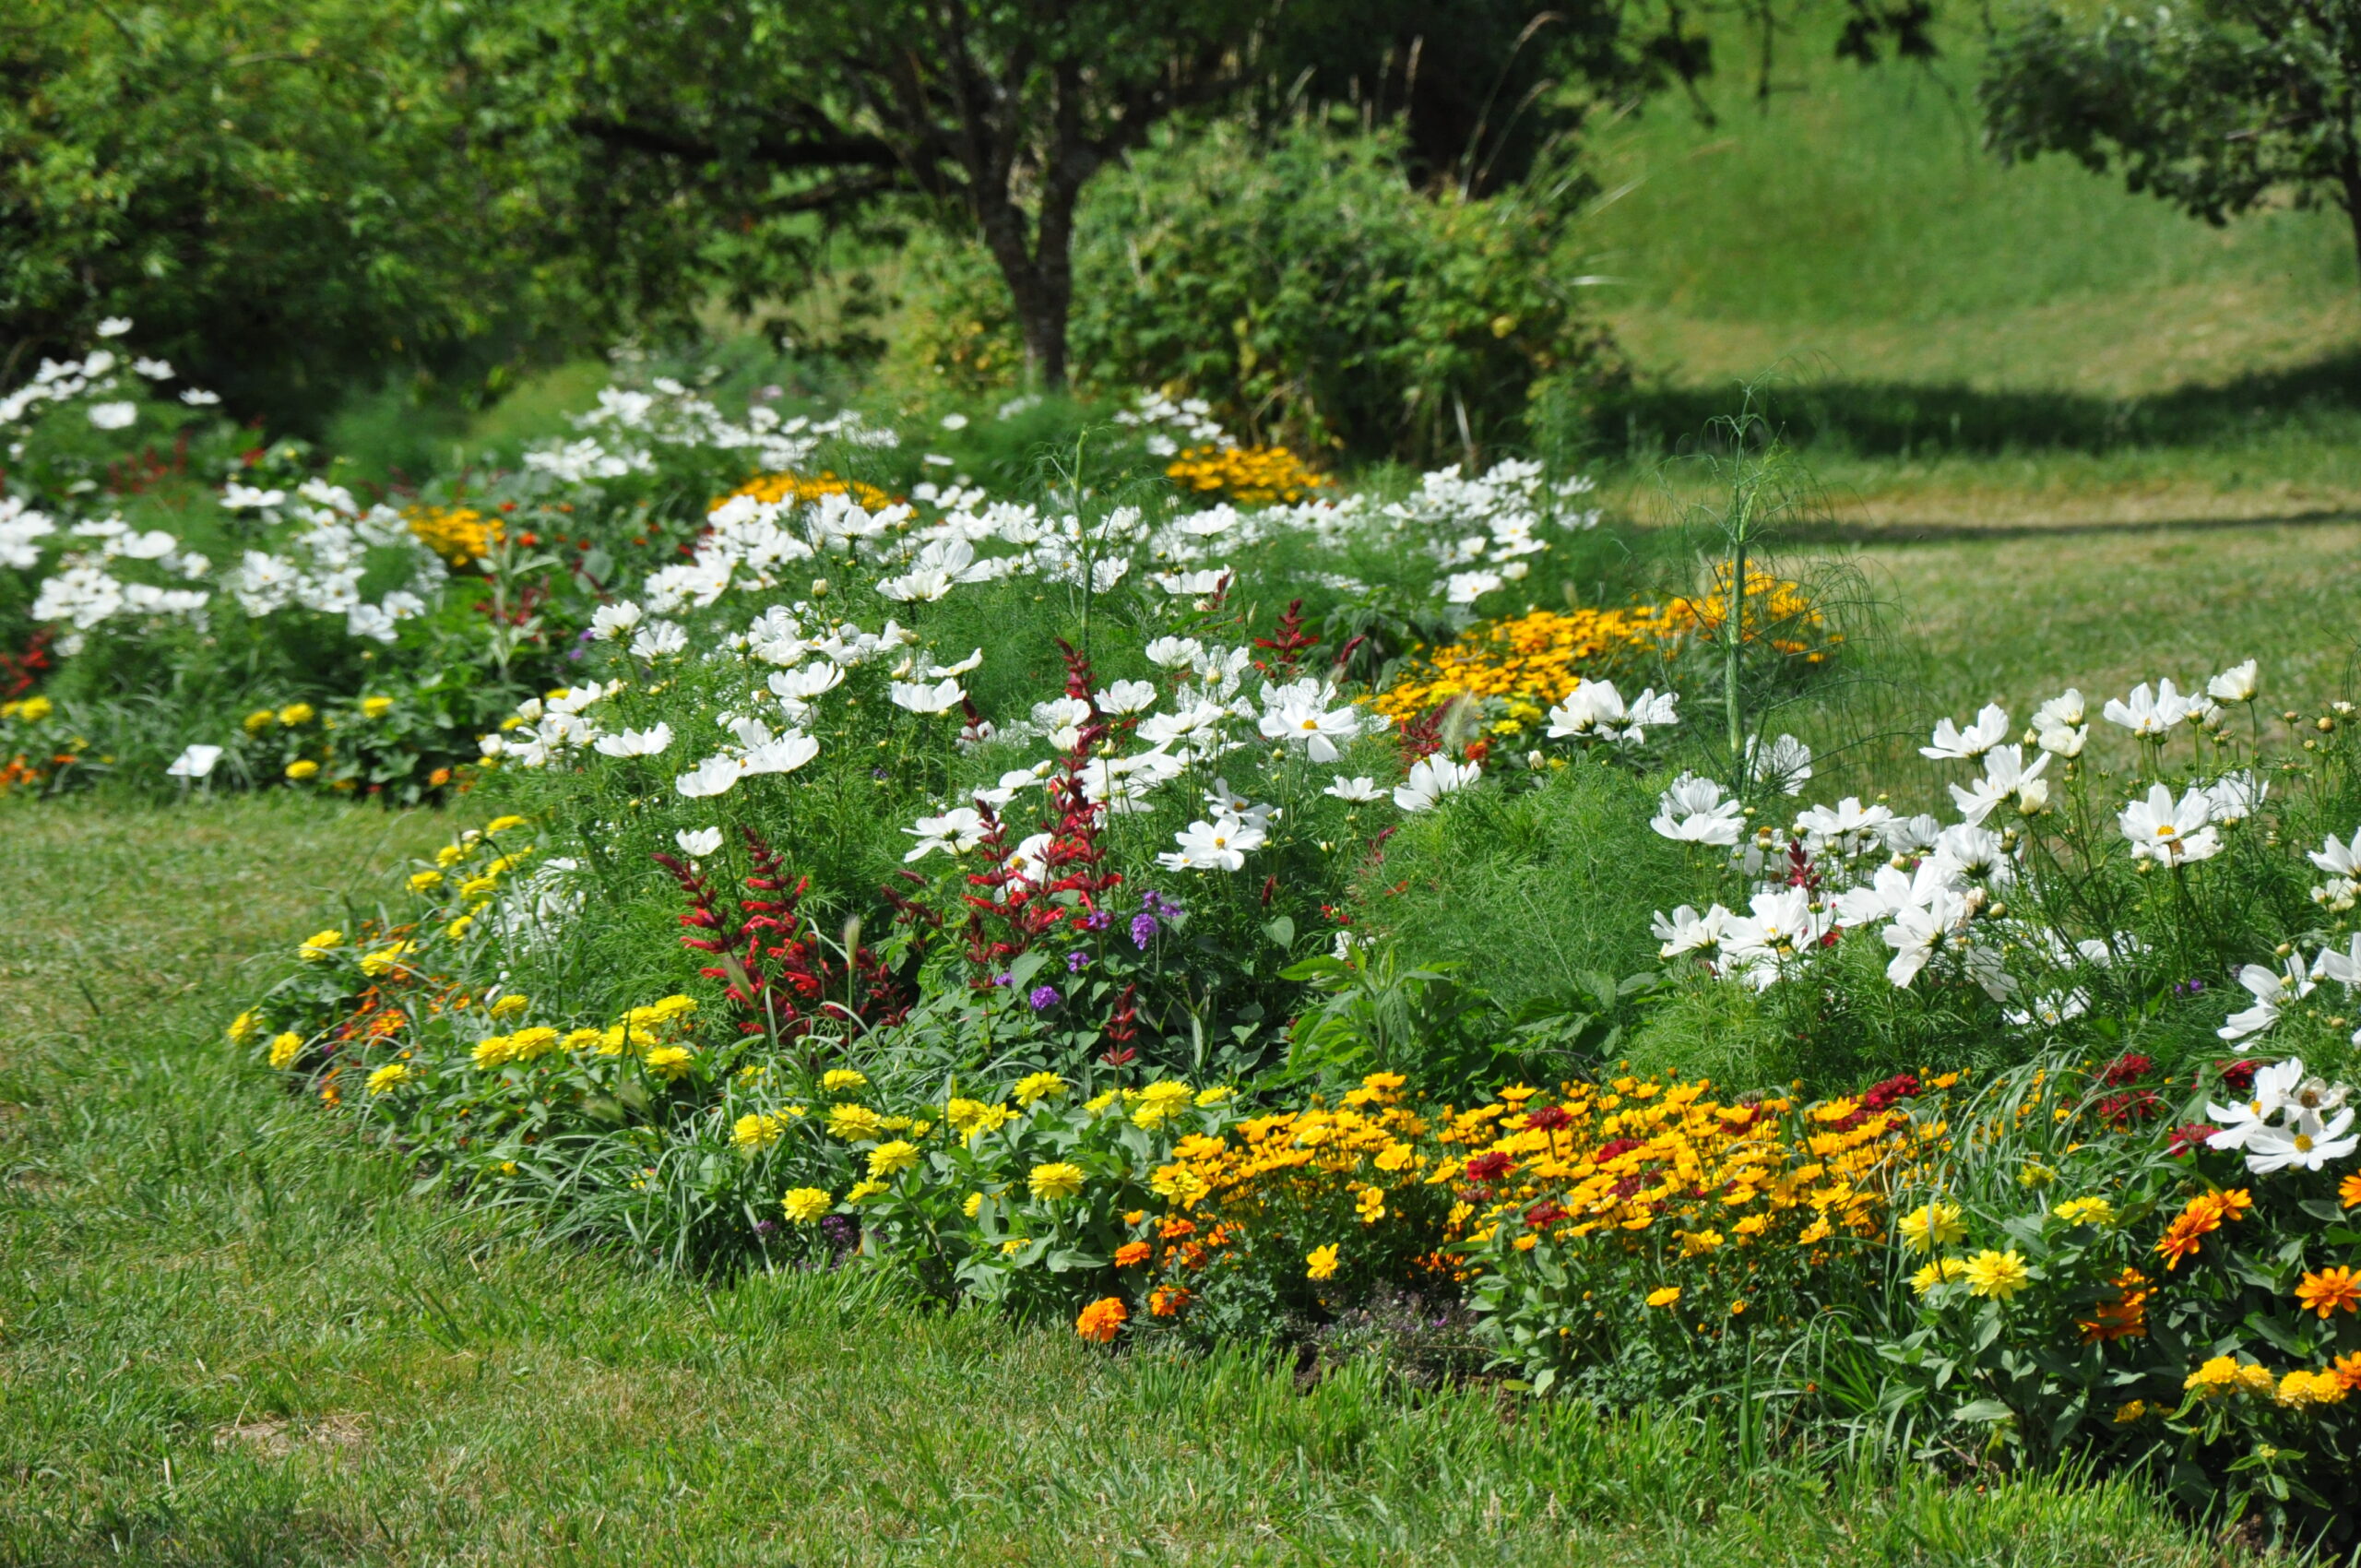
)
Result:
{"points": [[1078, 961], [1044, 998], [1144, 930]]}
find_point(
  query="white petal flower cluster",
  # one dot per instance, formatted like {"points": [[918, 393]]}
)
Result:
{"points": [[2293, 1122]]}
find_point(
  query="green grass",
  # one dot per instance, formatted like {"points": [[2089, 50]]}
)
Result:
{"points": [[228, 1335], [1963, 342]]}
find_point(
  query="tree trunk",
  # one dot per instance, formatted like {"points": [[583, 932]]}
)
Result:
{"points": [[1040, 278]]}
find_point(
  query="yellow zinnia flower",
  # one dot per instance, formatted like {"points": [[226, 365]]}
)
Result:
{"points": [[376, 708], [888, 1158], [319, 945], [668, 1061], [806, 1204], [390, 1075], [295, 713], [284, 1049], [1996, 1276], [1321, 1263], [1036, 1085], [1054, 1180], [838, 1080], [1937, 1224]]}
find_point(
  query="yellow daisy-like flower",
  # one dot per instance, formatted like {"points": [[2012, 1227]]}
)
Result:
{"points": [[295, 713], [888, 1158], [421, 880], [1937, 1224], [1665, 1296], [1996, 1276], [244, 1027], [1939, 1271], [319, 945], [753, 1131], [302, 768], [494, 1050], [376, 708], [1321, 1263], [510, 1007], [503, 824], [536, 1041], [259, 721], [384, 959], [2085, 1211], [668, 1061], [974, 1205], [1055, 1181], [842, 1080], [805, 1206], [459, 928], [284, 1049], [854, 1122], [391, 1075], [1036, 1085], [861, 1192]]}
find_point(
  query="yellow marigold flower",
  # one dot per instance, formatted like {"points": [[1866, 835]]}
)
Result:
{"points": [[421, 881], [2219, 1375], [965, 1114], [806, 1204], [668, 1061], [2085, 1211], [1099, 1321], [295, 713], [458, 929], [511, 1005], [1036, 1085], [888, 1158], [494, 1050], [861, 1192], [2300, 1388], [669, 1009], [376, 708], [244, 1027], [284, 1049], [582, 1039], [391, 1075], [2125, 1414], [319, 945], [2036, 1174], [503, 824], [536, 1041], [260, 720], [1054, 1180], [1937, 1224], [1214, 1095], [1096, 1104], [1996, 1276], [1321, 1263], [1177, 1183], [2330, 1288], [974, 1205], [842, 1080], [1665, 1296]]}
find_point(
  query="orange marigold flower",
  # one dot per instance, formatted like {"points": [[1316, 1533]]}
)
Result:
{"points": [[1131, 1253], [1101, 1319], [2326, 1291], [2125, 1317], [2348, 1371], [1173, 1230], [1166, 1301], [2348, 1192]]}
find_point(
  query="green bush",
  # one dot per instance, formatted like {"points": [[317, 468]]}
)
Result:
{"points": [[1304, 288]]}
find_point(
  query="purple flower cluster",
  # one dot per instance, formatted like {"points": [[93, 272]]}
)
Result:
{"points": [[1044, 998], [1078, 961], [1154, 907]]}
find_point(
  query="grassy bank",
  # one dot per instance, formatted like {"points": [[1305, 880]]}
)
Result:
{"points": [[227, 1338]]}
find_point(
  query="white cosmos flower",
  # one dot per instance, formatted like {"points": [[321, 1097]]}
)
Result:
{"points": [[2005, 774], [197, 398], [939, 698], [1197, 721], [2167, 831], [1127, 696], [2066, 740], [1305, 724], [1213, 846], [1912, 835], [1784, 764], [195, 762], [806, 683], [1950, 743], [1361, 789], [113, 327], [2061, 712], [1175, 653], [2306, 1145], [659, 639], [1778, 926], [698, 842], [955, 832], [973, 661], [611, 621], [785, 755], [1890, 891], [2148, 713], [1848, 827], [154, 370], [2234, 796], [1430, 780], [113, 416], [1685, 931], [2272, 990], [2343, 966], [715, 776], [1969, 853], [954, 422], [2238, 684], [1189, 584], [2338, 858], [636, 743], [1919, 931], [2274, 1084], [1694, 811]]}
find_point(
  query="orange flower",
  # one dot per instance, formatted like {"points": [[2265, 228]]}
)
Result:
{"points": [[2348, 1192], [1101, 1319], [2125, 1317], [1173, 1230], [2201, 1218], [2348, 1371], [2330, 1288], [1131, 1252], [1166, 1301]]}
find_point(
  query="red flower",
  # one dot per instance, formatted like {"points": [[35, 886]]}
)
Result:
{"points": [[1490, 1167], [2188, 1136], [2128, 1069]]}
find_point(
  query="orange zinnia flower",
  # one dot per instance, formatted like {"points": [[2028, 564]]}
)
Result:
{"points": [[2125, 1317], [2330, 1288], [2201, 1217], [1131, 1252], [2348, 1192]]}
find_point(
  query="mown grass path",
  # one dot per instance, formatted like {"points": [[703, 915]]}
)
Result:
{"points": [[228, 1336]]}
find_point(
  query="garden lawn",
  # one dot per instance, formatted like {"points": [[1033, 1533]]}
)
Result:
{"points": [[228, 1336]]}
